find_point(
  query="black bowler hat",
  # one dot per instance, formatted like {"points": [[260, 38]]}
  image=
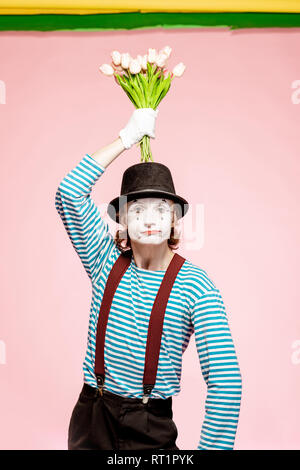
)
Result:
{"points": [[148, 179]]}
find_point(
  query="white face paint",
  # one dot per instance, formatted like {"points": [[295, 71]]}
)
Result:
{"points": [[148, 214]]}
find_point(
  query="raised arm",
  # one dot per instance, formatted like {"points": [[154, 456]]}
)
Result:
{"points": [[220, 370], [88, 232]]}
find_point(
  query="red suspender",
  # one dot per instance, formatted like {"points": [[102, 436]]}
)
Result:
{"points": [[112, 283], [155, 323]]}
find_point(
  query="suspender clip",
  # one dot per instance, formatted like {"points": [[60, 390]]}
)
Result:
{"points": [[145, 399], [147, 391], [100, 383]]}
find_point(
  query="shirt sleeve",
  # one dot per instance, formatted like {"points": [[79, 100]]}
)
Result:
{"points": [[220, 370], [88, 232]]}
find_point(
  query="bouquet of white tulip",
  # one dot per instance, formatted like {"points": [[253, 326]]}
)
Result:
{"points": [[144, 81]]}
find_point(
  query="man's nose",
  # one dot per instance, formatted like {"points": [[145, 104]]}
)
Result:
{"points": [[149, 217]]}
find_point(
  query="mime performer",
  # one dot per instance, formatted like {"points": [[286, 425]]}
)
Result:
{"points": [[147, 301]]}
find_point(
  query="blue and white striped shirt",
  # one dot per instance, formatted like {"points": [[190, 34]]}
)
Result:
{"points": [[195, 306]]}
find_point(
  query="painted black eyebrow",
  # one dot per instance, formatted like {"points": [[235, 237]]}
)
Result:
{"points": [[135, 200]]}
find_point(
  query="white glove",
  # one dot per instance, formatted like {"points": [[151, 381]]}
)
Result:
{"points": [[142, 122]]}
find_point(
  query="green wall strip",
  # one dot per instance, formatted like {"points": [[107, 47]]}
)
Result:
{"points": [[136, 20]]}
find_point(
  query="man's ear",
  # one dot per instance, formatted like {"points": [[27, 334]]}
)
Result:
{"points": [[174, 217], [123, 230], [176, 224]]}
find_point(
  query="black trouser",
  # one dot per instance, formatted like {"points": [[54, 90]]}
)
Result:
{"points": [[113, 422]]}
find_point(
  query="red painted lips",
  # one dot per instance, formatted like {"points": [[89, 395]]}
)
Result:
{"points": [[149, 232]]}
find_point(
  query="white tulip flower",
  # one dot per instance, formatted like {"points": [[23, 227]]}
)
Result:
{"points": [[144, 62], [139, 58], [166, 50], [116, 57], [161, 59], [134, 66], [125, 60], [106, 69], [152, 53], [117, 68], [178, 69]]}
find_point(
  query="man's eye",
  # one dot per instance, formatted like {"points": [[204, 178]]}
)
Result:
{"points": [[138, 209]]}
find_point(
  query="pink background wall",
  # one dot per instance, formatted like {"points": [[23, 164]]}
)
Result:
{"points": [[229, 132]]}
